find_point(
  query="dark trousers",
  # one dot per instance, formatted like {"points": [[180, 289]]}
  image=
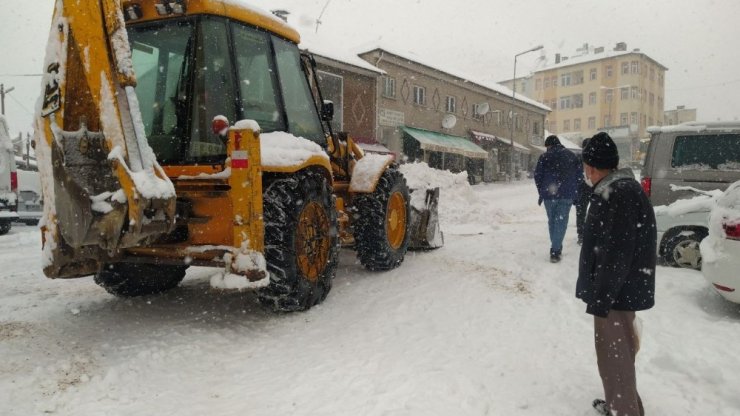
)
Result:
{"points": [[581, 209], [617, 344]]}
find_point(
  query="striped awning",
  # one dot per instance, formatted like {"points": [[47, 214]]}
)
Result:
{"points": [[439, 142]]}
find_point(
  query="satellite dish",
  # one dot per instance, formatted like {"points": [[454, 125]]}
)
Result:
{"points": [[483, 109], [449, 121]]}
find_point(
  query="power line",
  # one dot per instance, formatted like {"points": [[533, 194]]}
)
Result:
{"points": [[21, 105], [21, 75]]}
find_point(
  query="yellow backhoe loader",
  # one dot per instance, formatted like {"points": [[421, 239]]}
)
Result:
{"points": [[143, 175]]}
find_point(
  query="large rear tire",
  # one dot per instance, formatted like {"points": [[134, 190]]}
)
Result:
{"points": [[301, 241], [139, 279], [4, 227], [381, 225]]}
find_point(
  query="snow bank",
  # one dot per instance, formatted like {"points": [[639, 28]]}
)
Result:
{"points": [[284, 149], [461, 211]]}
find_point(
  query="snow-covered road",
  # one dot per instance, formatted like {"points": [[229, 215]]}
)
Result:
{"points": [[484, 326]]}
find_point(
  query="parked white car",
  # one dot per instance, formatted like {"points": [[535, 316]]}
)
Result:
{"points": [[682, 226], [721, 249]]}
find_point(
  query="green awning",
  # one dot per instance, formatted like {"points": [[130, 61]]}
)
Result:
{"points": [[438, 142]]}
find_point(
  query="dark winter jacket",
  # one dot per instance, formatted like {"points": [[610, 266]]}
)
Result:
{"points": [[584, 190], [617, 265], [557, 173]]}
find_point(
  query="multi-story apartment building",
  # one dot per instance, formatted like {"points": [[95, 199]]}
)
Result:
{"points": [[452, 121], [679, 115], [599, 90]]}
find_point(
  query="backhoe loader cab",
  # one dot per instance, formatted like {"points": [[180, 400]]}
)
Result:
{"points": [[143, 176]]}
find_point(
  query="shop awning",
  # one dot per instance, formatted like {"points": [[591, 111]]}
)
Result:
{"points": [[491, 138], [438, 142]]}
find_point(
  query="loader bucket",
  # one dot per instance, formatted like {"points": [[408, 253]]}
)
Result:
{"points": [[424, 230], [103, 189]]}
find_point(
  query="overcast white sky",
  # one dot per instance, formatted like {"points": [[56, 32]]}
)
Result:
{"points": [[695, 39]]}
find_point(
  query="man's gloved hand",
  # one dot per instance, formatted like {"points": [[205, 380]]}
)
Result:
{"points": [[539, 201]]}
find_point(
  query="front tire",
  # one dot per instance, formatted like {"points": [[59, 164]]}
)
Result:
{"points": [[301, 241], [4, 227], [139, 279], [381, 225]]}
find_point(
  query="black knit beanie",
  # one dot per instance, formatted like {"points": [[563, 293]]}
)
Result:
{"points": [[551, 140], [601, 152]]}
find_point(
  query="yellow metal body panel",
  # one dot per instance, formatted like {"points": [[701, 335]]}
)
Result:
{"points": [[233, 10], [246, 190]]}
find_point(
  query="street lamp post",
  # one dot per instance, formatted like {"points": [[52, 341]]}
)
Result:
{"points": [[513, 98]]}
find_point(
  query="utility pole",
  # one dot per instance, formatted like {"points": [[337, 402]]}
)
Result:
{"points": [[3, 91]]}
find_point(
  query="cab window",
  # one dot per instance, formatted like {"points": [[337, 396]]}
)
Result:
{"points": [[303, 119], [257, 80], [213, 93]]}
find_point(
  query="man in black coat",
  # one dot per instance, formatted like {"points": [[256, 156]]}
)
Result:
{"points": [[616, 274]]}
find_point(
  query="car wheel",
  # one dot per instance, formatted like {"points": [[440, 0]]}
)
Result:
{"points": [[682, 250]]}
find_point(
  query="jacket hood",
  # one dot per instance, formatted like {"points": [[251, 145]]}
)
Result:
{"points": [[602, 188]]}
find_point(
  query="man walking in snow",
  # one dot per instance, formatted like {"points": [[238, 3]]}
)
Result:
{"points": [[556, 177], [616, 275]]}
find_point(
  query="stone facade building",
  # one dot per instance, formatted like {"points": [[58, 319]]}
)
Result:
{"points": [[451, 121]]}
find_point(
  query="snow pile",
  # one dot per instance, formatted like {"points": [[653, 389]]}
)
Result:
{"points": [[460, 209], [284, 149], [701, 203], [367, 171], [247, 125], [102, 203], [726, 211], [231, 281]]}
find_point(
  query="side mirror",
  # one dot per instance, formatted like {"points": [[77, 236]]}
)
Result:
{"points": [[327, 110]]}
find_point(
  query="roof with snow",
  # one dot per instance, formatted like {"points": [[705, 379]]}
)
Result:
{"points": [[458, 74], [333, 50], [590, 57]]}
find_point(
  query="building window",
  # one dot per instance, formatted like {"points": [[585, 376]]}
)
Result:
{"points": [[578, 101], [591, 123], [635, 67], [577, 77], [652, 74], [635, 92], [420, 95], [566, 125], [625, 68], [565, 102], [389, 87], [609, 71], [624, 93], [450, 104], [633, 118], [536, 127], [565, 80], [623, 119], [592, 98], [577, 124], [660, 103], [652, 99], [547, 82], [607, 122], [593, 74], [537, 84], [476, 112]]}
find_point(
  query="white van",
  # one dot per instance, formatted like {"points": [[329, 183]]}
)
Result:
{"points": [[8, 179]]}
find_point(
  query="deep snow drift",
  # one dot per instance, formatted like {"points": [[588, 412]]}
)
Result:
{"points": [[483, 326]]}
